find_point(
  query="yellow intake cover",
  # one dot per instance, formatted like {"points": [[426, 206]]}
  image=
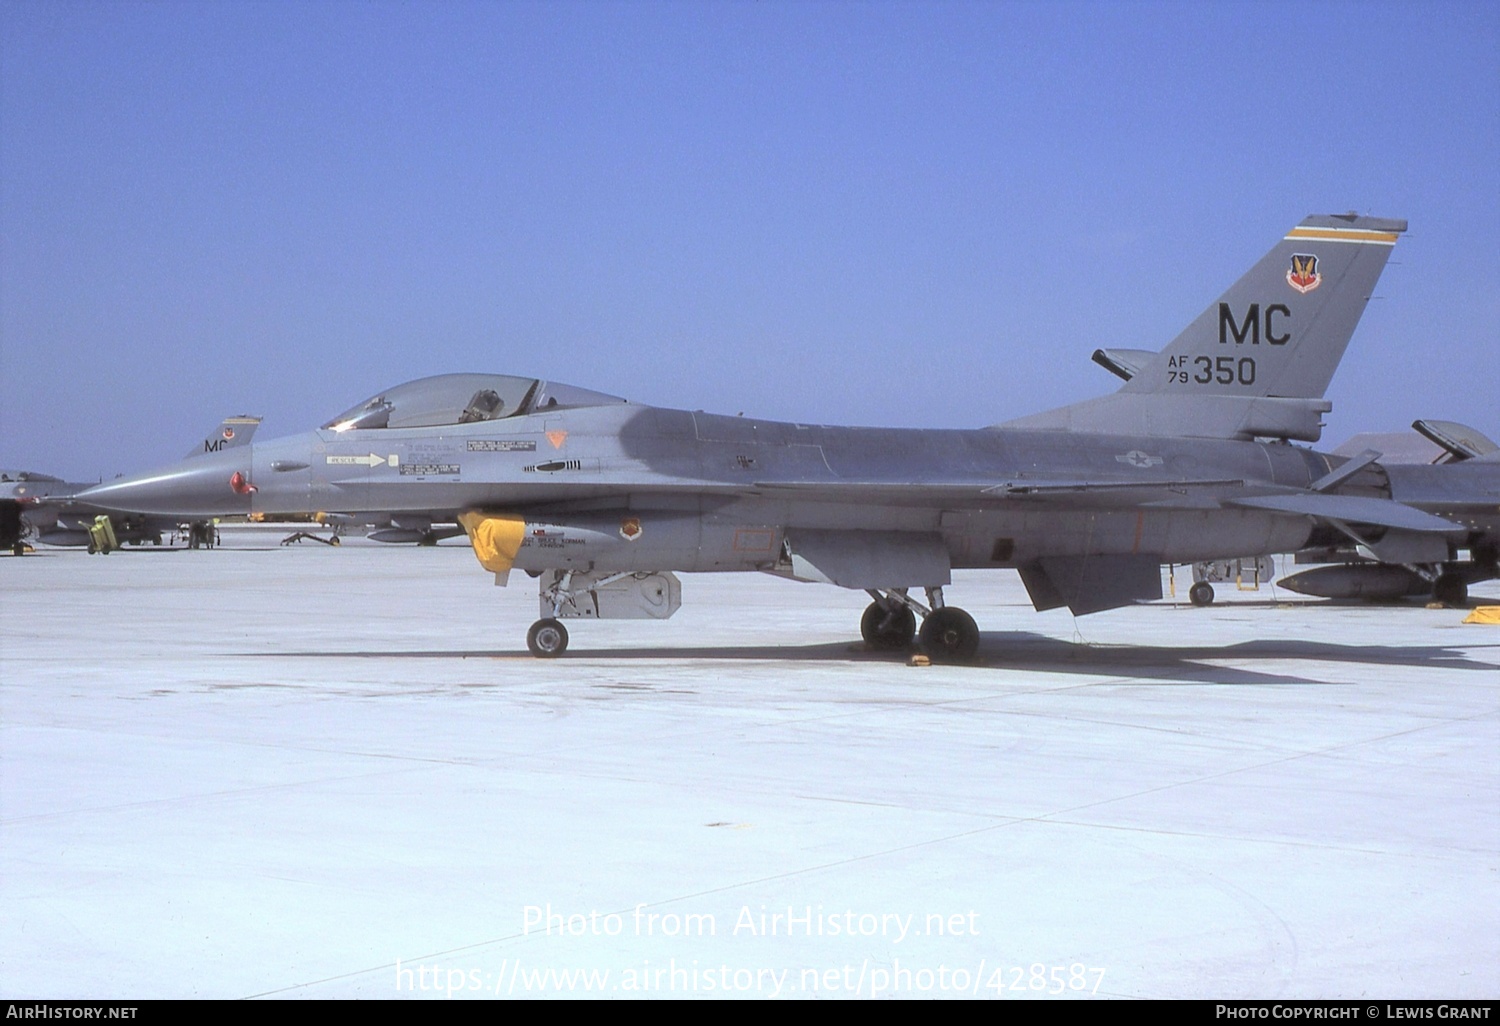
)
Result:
{"points": [[496, 538]]}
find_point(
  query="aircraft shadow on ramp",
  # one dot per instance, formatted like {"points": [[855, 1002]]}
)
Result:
{"points": [[1010, 652]]}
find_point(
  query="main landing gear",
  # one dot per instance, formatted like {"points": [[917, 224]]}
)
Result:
{"points": [[948, 634], [890, 627]]}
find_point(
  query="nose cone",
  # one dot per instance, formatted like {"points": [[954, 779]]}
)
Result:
{"points": [[211, 485]]}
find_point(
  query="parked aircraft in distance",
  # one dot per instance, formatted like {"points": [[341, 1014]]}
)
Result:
{"points": [[1467, 496], [43, 507], [603, 499]]}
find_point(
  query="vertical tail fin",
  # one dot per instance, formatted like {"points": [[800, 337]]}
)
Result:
{"points": [[233, 432], [1280, 330], [1256, 363]]}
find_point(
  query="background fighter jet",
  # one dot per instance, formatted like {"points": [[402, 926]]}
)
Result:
{"points": [[602, 498], [24, 496], [1464, 494], [45, 508]]}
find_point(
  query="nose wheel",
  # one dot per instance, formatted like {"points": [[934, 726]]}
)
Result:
{"points": [[547, 639]]}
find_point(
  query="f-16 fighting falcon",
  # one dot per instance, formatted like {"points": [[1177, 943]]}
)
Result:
{"points": [[603, 499]]}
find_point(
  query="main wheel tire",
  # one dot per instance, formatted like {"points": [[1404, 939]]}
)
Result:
{"points": [[18, 549], [1201, 594], [1451, 590], [886, 628], [950, 635], [547, 639]]}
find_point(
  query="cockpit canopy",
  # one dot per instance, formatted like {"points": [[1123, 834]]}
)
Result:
{"points": [[450, 399]]}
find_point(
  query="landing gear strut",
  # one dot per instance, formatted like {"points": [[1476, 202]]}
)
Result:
{"points": [[595, 595], [548, 638]]}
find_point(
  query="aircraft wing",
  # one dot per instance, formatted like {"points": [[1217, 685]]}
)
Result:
{"points": [[1157, 493]]}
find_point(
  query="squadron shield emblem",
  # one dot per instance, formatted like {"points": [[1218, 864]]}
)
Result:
{"points": [[1304, 276]]}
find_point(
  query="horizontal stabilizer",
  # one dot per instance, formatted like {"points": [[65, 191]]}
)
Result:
{"points": [[869, 559], [1350, 508]]}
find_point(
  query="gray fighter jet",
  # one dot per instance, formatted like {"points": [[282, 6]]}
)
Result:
{"points": [[603, 498], [1451, 486]]}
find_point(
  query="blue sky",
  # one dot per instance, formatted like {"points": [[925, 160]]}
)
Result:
{"points": [[919, 214]]}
